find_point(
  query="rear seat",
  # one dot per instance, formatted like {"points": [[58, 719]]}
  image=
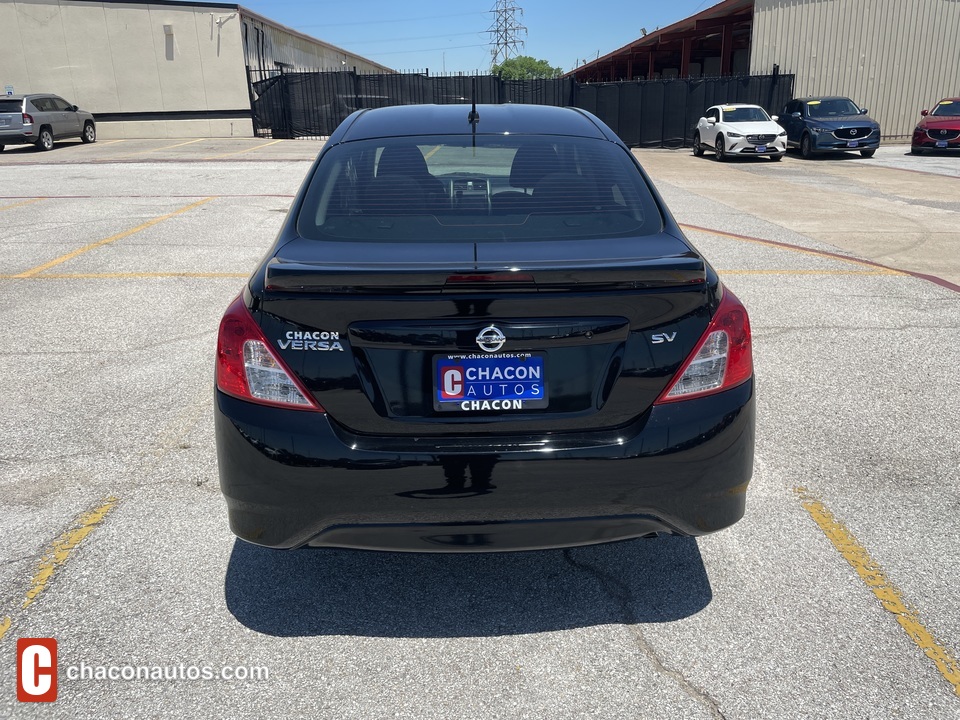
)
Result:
{"points": [[530, 164]]}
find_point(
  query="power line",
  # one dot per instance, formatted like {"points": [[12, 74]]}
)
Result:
{"points": [[400, 52], [393, 22], [402, 39]]}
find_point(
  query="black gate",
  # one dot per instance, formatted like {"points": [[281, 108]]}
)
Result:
{"points": [[644, 113]]}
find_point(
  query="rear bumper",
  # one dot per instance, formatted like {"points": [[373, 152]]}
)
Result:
{"points": [[291, 478], [17, 137]]}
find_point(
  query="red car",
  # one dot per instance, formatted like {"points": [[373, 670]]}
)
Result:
{"points": [[939, 128]]}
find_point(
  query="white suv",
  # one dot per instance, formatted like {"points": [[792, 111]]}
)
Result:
{"points": [[739, 129], [42, 119]]}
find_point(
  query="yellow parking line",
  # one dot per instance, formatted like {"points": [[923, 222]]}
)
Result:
{"points": [[60, 550], [113, 238], [122, 275], [240, 152], [432, 152], [890, 597], [108, 276], [20, 204], [165, 147], [125, 275]]}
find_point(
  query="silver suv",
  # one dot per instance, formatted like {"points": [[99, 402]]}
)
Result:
{"points": [[42, 119]]}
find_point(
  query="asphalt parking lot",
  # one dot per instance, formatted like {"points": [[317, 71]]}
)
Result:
{"points": [[835, 597]]}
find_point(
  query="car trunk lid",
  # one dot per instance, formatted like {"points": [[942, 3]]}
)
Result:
{"points": [[397, 342]]}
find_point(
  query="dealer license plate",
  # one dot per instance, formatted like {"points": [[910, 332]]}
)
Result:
{"points": [[941, 143], [497, 382], [761, 148], [853, 143]]}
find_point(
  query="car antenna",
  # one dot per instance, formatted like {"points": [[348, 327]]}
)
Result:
{"points": [[474, 117]]}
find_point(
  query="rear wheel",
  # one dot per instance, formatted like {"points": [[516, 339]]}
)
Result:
{"points": [[45, 141], [806, 147], [870, 152], [89, 132], [720, 154], [697, 147]]}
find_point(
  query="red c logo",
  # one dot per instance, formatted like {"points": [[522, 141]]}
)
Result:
{"points": [[452, 385], [36, 669]]}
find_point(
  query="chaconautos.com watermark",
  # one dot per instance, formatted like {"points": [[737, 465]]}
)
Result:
{"points": [[166, 672], [39, 672]]}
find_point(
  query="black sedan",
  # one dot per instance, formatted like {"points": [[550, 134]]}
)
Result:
{"points": [[481, 329]]}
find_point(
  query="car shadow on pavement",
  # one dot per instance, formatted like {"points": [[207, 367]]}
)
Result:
{"points": [[378, 594]]}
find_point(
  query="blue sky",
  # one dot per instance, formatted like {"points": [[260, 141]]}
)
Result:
{"points": [[439, 34]]}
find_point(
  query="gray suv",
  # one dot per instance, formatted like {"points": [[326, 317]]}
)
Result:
{"points": [[42, 119]]}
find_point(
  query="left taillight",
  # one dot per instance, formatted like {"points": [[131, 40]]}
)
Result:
{"points": [[721, 360], [248, 369]]}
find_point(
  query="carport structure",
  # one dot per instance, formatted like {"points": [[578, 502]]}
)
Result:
{"points": [[712, 43]]}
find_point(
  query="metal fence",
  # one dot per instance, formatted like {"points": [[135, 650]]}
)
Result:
{"points": [[644, 113]]}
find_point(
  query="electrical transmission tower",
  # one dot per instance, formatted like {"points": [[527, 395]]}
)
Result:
{"points": [[506, 31]]}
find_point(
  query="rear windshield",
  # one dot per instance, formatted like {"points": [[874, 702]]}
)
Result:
{"points": [[947, 107], [488, 188], [9, 106]]}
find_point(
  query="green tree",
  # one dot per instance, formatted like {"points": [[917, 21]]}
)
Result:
{"points": [[524, 67]]}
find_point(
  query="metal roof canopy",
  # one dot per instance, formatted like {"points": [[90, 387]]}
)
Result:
{"points": [[713, 33]]}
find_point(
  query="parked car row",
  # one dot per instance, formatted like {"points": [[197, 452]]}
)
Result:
{"points": [[815, 125], [41, 120]]}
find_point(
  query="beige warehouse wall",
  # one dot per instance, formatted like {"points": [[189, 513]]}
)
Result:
{"points": [[117, 58], [895, 57]]}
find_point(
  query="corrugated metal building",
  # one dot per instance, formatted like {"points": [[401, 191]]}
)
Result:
{"points": [[268, 46], [894, 57], [153, 68]]}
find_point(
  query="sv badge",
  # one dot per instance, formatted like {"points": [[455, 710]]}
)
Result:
{"points": [[660, 338]]}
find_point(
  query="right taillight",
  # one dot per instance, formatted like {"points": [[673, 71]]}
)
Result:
{"points": [[721, 360], [248, 369]]}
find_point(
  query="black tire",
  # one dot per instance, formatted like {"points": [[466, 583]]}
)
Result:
{"points": [[806, 147], [1, 148], [719, 154], [45, 139], [777, 157], [697, 147], [89, 134], [869, 152]]}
